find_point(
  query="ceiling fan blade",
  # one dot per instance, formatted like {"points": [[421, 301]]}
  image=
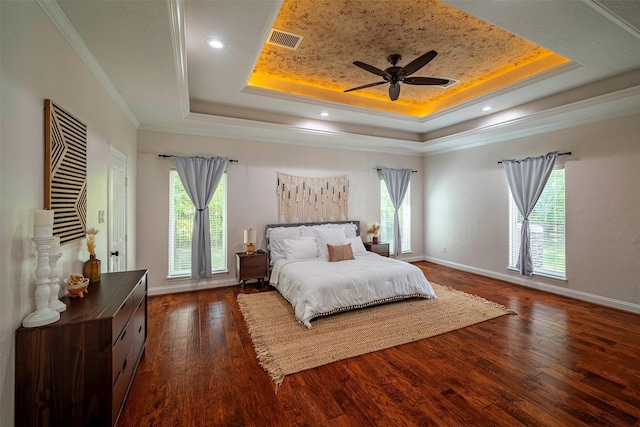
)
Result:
{"points": [[394, 91], [365, 86], [372, 69], [417, 63], [425, 81]]}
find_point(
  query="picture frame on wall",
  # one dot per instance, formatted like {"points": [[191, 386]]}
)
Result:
{"points": [[65, 172]]}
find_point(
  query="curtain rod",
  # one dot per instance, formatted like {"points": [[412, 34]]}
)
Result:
{"points": [[566, 153], [171, 155], [379, 169]]}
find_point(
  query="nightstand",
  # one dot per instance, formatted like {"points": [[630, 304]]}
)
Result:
{"points": [[254, 266], [379, 248]]}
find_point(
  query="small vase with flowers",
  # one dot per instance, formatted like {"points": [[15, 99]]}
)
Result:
{"points": [[92, 266], [373, 230]]}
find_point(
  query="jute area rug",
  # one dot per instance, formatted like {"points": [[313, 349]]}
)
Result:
{"points": [[284, 346]]}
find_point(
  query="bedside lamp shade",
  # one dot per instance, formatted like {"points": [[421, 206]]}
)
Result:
{"points": [[249, 240]]}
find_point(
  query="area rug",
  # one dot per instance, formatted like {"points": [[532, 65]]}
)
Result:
{"points": [[284, 346]]}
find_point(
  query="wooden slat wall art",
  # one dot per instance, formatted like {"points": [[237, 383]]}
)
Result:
{"points": [[65, 172]]}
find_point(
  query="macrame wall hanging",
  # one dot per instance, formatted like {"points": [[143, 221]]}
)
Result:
{"points": [[302, 199]]}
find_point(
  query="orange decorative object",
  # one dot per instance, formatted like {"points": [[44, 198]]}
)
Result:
{"points": [[77, 289]]}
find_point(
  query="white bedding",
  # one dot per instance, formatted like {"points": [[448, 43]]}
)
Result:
{"points": [[315, 287]]}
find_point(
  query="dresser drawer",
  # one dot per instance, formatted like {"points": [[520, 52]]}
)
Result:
{"points": [[257, 262], [121, 386], [140, 291], [139, 321], [121, 349], [122, 316]]}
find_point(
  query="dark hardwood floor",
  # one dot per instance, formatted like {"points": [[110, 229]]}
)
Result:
{"points": [[559, 362]]}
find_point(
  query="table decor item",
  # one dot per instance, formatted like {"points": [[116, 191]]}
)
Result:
{"points": [[42, 237], [92, 266], [77, 285], [54, 277], [373, 230]]}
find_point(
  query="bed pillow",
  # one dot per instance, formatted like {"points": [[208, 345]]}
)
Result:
{"points": [[340, 253], [350, 229], [276, 237], [301, 248], [329, 236], [310, 230], [356, 245]]}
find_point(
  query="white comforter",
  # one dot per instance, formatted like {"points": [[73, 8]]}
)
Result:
{"points": [[317, 288]]}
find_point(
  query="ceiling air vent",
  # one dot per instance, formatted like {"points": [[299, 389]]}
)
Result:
{"points": [[284, 39], [451, 82]]}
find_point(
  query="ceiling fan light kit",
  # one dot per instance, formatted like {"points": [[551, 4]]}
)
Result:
{"points": [[395, 75]]}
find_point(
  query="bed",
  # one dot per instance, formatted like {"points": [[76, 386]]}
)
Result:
{"points": [[324, 268]]}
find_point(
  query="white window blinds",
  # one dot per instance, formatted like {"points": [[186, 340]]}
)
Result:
{"points": [[181, 227], [386, 218], [547, 226]]}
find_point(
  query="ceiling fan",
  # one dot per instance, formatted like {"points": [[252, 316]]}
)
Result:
{"points": [[394, 74]]}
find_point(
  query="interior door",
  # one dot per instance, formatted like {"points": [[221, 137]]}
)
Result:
{"points": [[117, 218]]}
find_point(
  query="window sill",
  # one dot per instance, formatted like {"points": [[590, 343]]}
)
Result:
{"points": [[546, 276], [188, 277]]}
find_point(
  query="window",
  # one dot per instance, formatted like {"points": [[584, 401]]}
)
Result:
{"points": [[181, 227], [386, 218], [547, 229]]}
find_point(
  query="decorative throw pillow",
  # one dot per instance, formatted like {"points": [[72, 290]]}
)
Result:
{"points": [[340, 253], [301, 248], [329, 236]]}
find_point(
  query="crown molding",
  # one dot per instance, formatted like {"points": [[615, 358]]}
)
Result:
{"points": [[604, 107], [604, 11], [249, 130], [61, 22], [609, 106], [176, 17]]}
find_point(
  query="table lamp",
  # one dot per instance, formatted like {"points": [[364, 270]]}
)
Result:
{"points": [[249, 240]]}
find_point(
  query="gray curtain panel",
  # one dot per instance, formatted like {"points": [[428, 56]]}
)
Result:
{"points": [[397, 182], [527, 179], [200, 178]]}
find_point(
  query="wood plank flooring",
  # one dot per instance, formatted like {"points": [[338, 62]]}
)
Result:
{"points": [[559, 362]]}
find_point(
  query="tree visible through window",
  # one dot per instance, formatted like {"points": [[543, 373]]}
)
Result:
{"points": [[181, 227], [386, 218], [547, 226]]}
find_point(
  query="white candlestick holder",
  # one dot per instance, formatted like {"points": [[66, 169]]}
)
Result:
{"points": [[43, 314], [54, 284]]}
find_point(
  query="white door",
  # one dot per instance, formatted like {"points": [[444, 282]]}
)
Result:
{"points": [[117, 226]]}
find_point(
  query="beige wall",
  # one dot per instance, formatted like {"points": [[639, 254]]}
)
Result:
{"points": [[38, 63], [252, 193], [467, 210]]}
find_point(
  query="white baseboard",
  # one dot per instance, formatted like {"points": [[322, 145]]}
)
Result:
{"points": [[531, 282], [188, 285]]}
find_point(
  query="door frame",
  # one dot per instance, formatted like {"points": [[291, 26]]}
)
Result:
{"points": [[117, 154]]}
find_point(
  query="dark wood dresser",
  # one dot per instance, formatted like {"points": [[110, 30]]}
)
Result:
{"points": [[77, 371]]}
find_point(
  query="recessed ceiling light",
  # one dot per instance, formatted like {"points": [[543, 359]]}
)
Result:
{"points": [[324, 114], [487, 108], [216, 44]]}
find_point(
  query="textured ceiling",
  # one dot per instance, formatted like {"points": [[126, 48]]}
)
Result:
{"points": [[151, 56], [480, 56]]}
